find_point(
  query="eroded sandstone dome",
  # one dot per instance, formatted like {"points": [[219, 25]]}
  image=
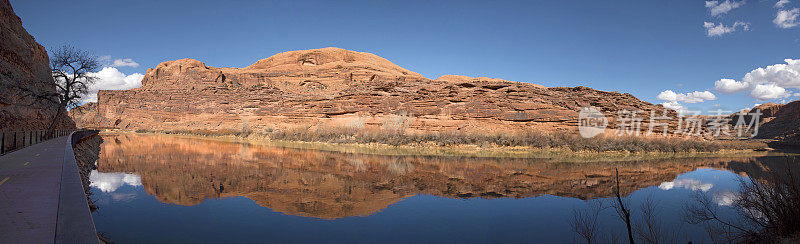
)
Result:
{"points": [[337, 87]]}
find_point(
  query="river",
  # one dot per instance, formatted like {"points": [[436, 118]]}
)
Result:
{"points": [[160, 188]]}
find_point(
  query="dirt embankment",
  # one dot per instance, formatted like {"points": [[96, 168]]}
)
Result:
{"points": [[87, 151]]}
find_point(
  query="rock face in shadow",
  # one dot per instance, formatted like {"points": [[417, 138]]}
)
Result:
{"points": [[27, 100], [777, 121], [332, 86], [321, 184], [782, 122]]}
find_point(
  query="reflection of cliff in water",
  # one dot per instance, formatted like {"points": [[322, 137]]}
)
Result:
{"points": [[332, 185]]}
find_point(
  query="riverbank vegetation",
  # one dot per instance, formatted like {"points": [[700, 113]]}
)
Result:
{"points": [[526, 144]]}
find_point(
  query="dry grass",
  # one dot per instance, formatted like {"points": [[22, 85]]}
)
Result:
{"points": [[533, 139]]}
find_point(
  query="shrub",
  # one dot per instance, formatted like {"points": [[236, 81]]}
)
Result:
{"points": [[396, 136]]}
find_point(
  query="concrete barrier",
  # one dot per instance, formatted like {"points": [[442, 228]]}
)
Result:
{"points": [[74, 223]]}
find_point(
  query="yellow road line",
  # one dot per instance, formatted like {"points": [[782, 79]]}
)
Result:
{"points": [[4, 181], [26, 164], [37, 154]]}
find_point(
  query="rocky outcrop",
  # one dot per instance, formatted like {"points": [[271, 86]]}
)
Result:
{"points": [[87, 116], [337, 87], [780, 122], [322, 184], [27, 91]]}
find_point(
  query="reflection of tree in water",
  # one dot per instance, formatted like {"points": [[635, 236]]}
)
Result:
{"points": [[767, 208], [333, 185], [767, 205]]}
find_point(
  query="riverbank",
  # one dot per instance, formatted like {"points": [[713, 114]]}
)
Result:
{"points": [[87, 151], [680, 148]]}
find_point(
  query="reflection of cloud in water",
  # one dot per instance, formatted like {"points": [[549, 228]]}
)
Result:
{"points": [[109, 182], [691, 184], [123, 197], [725, 198]]}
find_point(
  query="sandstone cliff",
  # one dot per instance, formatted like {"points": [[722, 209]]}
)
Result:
{"points": [[781, 122], [86, 115], [337, 87], [26, 85]]}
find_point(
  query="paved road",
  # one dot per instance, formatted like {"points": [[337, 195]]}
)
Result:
{"points": [[30, 181]]}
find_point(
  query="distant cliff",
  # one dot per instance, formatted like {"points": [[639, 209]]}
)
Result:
{"points": [[781, 122], [26, 84], [337, 87]]}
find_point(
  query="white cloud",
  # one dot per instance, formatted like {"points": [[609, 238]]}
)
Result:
{"points": [[787, 18], [725, 198], [718, 8], [783, 75], [781, 3], [692, 97], [125, 62], [713, 29], [766, 83], [769, 92], [673, 99], [691, 184], [110, 182], [730, 86], [105, 59], [110, 78], [668, 95], [749, 108], [675, 106]]}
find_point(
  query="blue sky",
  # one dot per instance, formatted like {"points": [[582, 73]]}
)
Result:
{"points": [[643, 47]]}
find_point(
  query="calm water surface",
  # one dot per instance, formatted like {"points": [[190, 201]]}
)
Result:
{"points": [[170, 189]]}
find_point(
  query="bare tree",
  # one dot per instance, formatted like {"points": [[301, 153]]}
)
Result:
{"points": [[649, 228], [703, 210], [623, 211], [71, 69], [765, 209], [585, 222]]}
